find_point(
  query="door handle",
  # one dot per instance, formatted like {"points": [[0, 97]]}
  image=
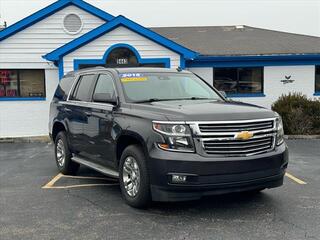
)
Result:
{"points": [[67, 109], [88, 114]]}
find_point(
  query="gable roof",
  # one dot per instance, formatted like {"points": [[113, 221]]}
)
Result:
{"points": [[107, 27], [49, 10], [240, 40]]}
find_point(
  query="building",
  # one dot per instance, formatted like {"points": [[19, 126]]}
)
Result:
{"points": [[250, 64]]}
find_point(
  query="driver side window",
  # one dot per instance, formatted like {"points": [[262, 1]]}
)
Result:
{"points": [[105, 85]]}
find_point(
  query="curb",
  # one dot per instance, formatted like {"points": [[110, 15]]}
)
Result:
{"points": [[306, 137], [37, 139]]}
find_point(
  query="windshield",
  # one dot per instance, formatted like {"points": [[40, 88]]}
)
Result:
{"points": [[148, 87]]}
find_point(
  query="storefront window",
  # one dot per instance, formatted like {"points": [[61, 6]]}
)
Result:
{"points": [[22, 83], [317, 79], [239, 80]]}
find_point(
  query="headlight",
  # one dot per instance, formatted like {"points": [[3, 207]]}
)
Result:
{"points": [[280, 132], [177, 137]]}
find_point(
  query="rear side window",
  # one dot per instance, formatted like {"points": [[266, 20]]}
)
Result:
{"points": [[64, 88], [82, 90]]}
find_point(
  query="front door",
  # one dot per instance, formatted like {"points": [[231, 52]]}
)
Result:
{"points": [[98, 130]]}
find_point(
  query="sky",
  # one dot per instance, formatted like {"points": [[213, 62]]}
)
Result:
{"points": [[296, 16]]}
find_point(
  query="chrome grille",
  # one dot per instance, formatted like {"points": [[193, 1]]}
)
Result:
{"points": [[235, 127], [238, 147], [219, 137]]}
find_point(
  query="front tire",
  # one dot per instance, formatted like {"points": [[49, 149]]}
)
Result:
{"points": [[63, 155], [134, 177]]}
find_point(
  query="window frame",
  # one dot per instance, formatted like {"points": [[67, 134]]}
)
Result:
{"points": [[316, 93], [20, 98], [257, 94]]}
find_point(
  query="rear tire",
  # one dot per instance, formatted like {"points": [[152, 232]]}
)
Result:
{"points": [[63, 155], [134, 177]]}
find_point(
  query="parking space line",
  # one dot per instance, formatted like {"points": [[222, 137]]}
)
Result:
{"points": [[295, 179], [83, 185], [50, 184], [53, 181]]}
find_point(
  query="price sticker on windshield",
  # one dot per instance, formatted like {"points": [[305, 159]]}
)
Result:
{"points": [[132, 77]]}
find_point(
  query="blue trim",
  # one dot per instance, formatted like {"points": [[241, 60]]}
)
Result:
{"points": [[316, 94], [240, 95], [49, 10], [182, 62], [61, 70], [107, 27], [254, 61], [22, 99], [77, 62]]}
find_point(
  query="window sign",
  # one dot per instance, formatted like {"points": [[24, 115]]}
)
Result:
{"points": [[22, 83]]}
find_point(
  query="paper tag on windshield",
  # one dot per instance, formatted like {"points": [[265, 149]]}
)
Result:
{"points": [[132, 77]]}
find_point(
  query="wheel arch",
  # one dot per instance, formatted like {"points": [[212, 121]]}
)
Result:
{"points": [[126, 139], [56, 128]]}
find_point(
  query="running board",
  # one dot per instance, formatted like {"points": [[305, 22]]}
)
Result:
{"points": [[102, 169]]}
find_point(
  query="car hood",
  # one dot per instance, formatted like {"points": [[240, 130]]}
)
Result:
{"points": [[200, 110]]}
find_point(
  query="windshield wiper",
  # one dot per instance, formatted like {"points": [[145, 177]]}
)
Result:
{"points": [[198, 98], [173, 99], [155, 100]]}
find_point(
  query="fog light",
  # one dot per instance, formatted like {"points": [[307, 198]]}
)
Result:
{"points": [[178, 178]]}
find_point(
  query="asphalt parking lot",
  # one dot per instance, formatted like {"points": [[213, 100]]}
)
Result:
{"points": [[37, 203]]}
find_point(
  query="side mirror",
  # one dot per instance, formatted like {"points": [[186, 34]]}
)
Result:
{"points": [[104, 98], [223, 93]]}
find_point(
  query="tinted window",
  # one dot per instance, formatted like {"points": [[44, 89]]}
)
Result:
{"points": [[239, 80], [64, 88], [317, 79], [105, 85], [81, 93]]}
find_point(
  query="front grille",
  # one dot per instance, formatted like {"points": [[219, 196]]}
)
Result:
{"points": [[219, 137], [235, 127], [238, 147]]}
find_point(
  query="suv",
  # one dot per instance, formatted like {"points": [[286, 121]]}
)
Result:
{"points": [[165, 133]]}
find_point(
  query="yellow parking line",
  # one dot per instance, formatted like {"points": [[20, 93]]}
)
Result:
{"points": [[295, 179], [53, 181], [83, 185], [50, 185]]}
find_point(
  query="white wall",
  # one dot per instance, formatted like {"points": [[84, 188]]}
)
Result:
{"points": [[28, 118], [24, 50], [96, 48]]}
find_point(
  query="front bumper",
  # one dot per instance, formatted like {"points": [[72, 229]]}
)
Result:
{"points": [[210, 176]]}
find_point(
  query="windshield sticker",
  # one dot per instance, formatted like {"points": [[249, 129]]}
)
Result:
{"points": [[132, 77]]}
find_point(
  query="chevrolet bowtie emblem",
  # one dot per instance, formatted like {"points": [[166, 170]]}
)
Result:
{"points": [[244, 135]]}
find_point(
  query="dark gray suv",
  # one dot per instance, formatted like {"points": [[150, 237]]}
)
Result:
{"points": [[166, 134]]}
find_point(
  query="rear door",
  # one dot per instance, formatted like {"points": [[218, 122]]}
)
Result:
{"points": [[98, 130], [77, 111]]}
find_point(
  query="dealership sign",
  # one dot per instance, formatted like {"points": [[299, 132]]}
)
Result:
{"points": [[287, 79]]}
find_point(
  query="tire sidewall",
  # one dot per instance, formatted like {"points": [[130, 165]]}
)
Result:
{"points": [[143, 197], [63, 169]]}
